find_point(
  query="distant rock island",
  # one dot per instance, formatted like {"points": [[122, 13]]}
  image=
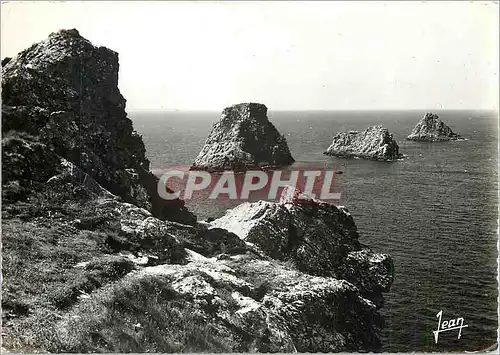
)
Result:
{"points": [[243, 139], [375, 143], [94, 261], [431, 129]]}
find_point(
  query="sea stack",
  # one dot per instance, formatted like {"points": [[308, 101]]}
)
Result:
{"points": [[431, 129], [243, 139], [374, 143]]}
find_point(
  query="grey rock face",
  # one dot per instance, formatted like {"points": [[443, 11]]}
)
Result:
{"points": [[431, 129], [5, 60], [375, 143], [319, 238], [65, 90], [243, 138]]}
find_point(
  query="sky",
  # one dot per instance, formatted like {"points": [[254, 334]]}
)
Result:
{"points": [[327, 55]]}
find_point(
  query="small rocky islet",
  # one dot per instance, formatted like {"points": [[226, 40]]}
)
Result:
{"points": [[374, 143], [431, 129], [95, 261]]}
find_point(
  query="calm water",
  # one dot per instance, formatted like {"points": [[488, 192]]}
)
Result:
{"points": [[435, 212]]}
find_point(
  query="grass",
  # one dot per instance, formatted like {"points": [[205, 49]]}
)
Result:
{"points": [[38, 261], [40, 280], [43, 238], [46, 236], [141, 315]]}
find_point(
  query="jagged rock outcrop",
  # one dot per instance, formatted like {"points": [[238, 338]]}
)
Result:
{"points": [[375, 143], [6, 60], [242, 139], [319, 238], [431, 129], [64, 90]]}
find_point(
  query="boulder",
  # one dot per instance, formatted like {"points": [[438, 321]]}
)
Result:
{"points": [[374, 143], [243, 139], [431, 129]]}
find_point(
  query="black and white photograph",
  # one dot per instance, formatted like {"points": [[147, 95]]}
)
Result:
{"points": [[249, 176]]}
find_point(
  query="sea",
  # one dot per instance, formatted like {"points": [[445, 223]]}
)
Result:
{"points": [[435, 211]]}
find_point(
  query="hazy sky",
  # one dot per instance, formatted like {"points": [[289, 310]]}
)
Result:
{"points": [[287, 55]]}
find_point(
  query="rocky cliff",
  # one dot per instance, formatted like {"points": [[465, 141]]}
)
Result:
{"points": [[243, 138], [431, 129], [84, 272], [375, 143], [64, 90], [88, 267]]}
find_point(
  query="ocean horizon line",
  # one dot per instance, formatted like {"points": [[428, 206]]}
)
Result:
{"points": [[324, 110]]}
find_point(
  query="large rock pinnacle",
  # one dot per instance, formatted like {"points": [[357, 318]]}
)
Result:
{"points": [[243, 139]]}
